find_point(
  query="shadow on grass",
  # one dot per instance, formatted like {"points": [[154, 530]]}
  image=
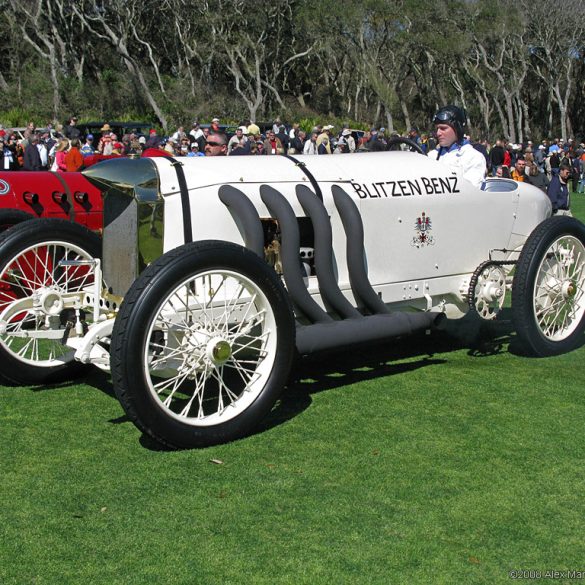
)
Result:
{"points": [[325, 371], [86, 375]]}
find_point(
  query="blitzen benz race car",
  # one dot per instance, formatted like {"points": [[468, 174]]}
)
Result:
{"points": [[214, 273]]}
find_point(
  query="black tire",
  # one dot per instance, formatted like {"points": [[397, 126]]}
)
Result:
{"points": [[195, 349], [400, 140], [548, 290], [23, 249], [10, 217]]}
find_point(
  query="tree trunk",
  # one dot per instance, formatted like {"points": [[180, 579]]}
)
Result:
{"points": [[510, 116], [389, 121], [56, 88], [526, 117], [405, 112], [3, 84], [503, 122]]}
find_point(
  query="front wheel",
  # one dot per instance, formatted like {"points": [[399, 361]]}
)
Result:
{"points": [[202, 345], [548, 291], [46, 271]]}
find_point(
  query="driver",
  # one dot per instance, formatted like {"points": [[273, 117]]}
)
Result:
{"points": [[454, 149]]}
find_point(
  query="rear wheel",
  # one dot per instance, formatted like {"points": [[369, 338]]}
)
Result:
{"points": [[548, 291], [10, 217], [202, 345], [40, 280]]}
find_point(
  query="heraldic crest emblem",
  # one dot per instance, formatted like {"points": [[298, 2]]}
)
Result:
{"points": [[423, 226]]}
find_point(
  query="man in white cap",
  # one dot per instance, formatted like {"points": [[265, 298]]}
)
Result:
{"points": [[326, 134], [349, 139], [539, 157]]}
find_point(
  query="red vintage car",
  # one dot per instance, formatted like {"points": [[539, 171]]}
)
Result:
{"points": [[32, 194]]}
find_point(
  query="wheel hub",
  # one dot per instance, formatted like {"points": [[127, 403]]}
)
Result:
{"points": [[219, 351], [206, 350], [50, 301], [569, 289]]}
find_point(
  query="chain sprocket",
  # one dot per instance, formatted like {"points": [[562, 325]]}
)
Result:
{"points": [[487, 288]]}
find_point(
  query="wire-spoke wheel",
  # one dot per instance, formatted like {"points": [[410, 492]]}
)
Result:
{"points": [[46, 271], [548, 294], [202, 345]]}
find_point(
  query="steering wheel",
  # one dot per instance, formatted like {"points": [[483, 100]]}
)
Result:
{"points": [[412, 145]]}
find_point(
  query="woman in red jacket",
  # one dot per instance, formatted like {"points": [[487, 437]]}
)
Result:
{"points": [[74, 158], [60, 153]]}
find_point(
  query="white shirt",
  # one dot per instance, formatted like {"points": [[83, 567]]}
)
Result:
{"points": [[465, 161], [350, 142], [8, 160], [43, 153], [310, 147], [235, 140]]}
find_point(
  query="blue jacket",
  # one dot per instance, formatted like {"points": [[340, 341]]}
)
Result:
{"points": [[558, 193]]}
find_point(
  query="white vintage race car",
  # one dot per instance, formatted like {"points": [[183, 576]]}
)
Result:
{"points": [[214, 273]]}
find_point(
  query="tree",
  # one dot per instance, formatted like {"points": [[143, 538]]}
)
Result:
{"points": [[117, 23], [556, 45]]}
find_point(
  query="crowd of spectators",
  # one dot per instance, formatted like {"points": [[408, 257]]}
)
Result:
{"points": [[64, 148]]}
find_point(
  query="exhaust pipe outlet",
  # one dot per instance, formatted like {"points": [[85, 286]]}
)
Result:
{"points": [[382, 327], [59, 198], [30, 198]]}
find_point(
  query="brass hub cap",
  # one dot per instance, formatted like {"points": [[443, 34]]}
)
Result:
{"points": [[569, 289], [219, 351]]}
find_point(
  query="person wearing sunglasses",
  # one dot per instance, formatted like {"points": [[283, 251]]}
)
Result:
{"points": [[454, 149], [216, 144]]}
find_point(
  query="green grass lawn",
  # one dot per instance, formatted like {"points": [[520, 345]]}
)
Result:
{"points": [[448, 459]]}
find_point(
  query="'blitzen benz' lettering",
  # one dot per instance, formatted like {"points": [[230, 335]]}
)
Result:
{"points": [[405, 188]]}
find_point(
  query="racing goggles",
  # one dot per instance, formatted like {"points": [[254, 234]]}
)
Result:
{"points": [[443, 117]]}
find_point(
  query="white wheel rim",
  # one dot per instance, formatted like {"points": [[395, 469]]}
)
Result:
{"points": [[558, 298], [212, 348], [29, 272]]}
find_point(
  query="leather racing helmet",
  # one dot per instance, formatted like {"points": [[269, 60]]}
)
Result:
{"points": [[455, 117]]}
